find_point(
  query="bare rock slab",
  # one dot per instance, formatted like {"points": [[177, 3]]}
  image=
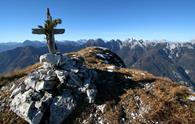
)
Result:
{"points": [[61, 107], [50, 58], [30, 105]]}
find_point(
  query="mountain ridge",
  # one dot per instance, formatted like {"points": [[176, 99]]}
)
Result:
{"points": [[173, 60]]}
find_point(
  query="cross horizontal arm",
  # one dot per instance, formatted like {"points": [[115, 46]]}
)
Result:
{"points": [[58, 31], [38, 31], [41, 31]]}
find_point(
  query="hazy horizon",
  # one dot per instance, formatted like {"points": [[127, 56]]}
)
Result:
{"points": [[107, 19], [146, 40]]}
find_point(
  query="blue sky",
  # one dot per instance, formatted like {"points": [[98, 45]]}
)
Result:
{"points": [[107, 19]]}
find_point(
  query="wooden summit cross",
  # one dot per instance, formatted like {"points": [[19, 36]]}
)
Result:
{"points": [[49, 30]]}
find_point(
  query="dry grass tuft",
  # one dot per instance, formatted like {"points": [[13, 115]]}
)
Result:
{"points": [[164, 102]]}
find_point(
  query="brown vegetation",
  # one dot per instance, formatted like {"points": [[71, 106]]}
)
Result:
{"points": [[10, 76]]}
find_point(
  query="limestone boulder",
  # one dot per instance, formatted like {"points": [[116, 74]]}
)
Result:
{"points": [[61, 75], [45, 85], [30, 105], [61, 107], [53, 59]]}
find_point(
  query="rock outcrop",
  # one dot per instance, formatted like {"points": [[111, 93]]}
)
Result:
{"points": [[92, 86], [54, 87]]}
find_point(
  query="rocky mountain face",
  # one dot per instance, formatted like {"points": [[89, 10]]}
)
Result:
{"points": [[19, 57], [173, 60], [161, 58], [91, 86]]}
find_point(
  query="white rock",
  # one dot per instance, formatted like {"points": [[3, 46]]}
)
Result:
{"points": [[21, 106], [47, 65], [143, 74], [148, 86], [103, 48], [101, 107], [75, 70], [50, 58], [3, 88], [25, 106], [45, 85], [45, 99], [49, 78], [13, 87], [87, 83], [128, 77], [51, 73], [192, 98], [100, 55], [17, 90], [91, 94], [111, 68], [82, 89], [30, 81], [61, 74], [61, 107], [37, 118]]}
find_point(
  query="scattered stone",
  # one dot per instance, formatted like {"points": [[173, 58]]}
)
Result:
{"points": [[111, 68], [13, 87], [75, 70], [19, 89], [3, 88], [30, 81], [101, 56], [143, 74], [45, 85], [101, 107], [61, 74], [91, 93], [192, 98], [148, 86]]}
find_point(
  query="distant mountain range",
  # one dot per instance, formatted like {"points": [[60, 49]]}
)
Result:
{"points": [[175, 60], [13, 45], [37, 44]]}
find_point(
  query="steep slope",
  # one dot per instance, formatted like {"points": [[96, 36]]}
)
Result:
{"points": [[123, 95], [19, 57]]}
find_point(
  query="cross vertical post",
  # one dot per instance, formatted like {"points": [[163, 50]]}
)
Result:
{"points": [[49, 30]]}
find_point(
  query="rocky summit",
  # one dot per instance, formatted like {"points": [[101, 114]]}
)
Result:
{"points": [[91, 86], [54, 87]]}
